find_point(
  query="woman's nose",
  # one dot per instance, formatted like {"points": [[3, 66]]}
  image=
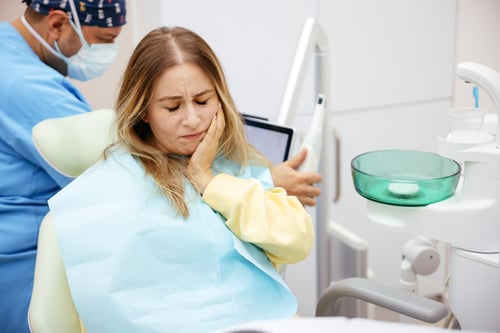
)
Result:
{"points": [[191, 118]]}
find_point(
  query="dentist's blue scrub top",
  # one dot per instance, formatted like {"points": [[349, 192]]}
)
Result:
{"points": [[30, 92]]}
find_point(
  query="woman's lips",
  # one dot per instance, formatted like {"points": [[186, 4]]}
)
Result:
{"points": [[194, 136]]}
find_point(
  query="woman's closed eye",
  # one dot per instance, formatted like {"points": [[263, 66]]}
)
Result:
{"points": [[172, 108], [175, 107], [203, 102]]}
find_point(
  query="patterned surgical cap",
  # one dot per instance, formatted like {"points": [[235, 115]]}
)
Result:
{"points": [[101, 13]]}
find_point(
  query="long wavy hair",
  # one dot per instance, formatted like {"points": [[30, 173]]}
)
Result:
{"points": [[160, 50]]}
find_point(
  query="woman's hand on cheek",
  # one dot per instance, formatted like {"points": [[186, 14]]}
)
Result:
{"points": [[204, 155]]}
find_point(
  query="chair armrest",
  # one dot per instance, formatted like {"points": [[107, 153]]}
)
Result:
{"points": [[399, 301]]}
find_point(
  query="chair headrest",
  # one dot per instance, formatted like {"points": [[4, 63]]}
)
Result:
{"points": [[72, 144]]}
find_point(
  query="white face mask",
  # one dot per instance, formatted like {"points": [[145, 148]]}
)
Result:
{"points": [[90, 61]]}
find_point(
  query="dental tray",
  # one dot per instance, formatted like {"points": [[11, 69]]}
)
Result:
{"points": [[405, 177]]}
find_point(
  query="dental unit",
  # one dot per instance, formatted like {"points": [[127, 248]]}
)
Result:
{"points": [[466, 173]]}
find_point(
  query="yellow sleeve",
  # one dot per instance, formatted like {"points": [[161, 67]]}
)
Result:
{"points": [[272, 220]]}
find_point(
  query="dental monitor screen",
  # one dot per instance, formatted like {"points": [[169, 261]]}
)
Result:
{"points": [[273, 141]]}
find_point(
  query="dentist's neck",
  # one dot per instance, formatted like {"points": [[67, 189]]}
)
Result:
{"points": [[35, 45]]}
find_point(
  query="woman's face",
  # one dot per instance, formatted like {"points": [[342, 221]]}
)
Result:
{"points": [[183, 105]]}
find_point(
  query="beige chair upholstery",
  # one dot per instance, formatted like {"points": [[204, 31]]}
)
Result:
{"points": [[51, 308], [70, 145]]}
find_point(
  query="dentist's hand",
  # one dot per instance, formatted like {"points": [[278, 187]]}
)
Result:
{"points": [[299, 184], [204, 155]]}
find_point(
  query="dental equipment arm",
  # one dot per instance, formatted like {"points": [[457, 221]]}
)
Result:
{"points": [[313, 41], [313, 38], [399, 301]]}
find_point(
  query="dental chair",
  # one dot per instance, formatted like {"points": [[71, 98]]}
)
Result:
{"points": [[71, 145]]}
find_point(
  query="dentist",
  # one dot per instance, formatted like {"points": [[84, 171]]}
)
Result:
{"points": [[52, 40]]}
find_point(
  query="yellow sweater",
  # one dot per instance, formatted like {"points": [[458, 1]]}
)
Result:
{"points": [[279, 225]]}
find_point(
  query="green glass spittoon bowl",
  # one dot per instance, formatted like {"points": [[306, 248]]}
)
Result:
{"points": [[405, 177]]}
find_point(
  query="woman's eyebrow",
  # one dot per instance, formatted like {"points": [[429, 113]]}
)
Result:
{"points": [[169, 98], [176, 98]]}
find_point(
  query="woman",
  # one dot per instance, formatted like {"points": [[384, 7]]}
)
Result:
{"points": [[179, 228]]}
